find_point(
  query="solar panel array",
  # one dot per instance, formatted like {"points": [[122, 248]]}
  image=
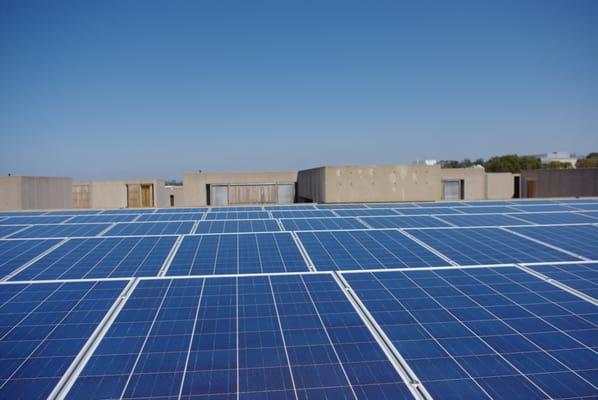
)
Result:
{"points": [[445, 300]]}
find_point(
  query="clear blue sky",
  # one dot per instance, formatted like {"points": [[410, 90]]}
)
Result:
{"points": [[108, 89]]}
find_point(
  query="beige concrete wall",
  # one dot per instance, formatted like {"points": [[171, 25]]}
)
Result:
{"points": [[311, 184], [500, 185], [113, 193], [380, 183], [35, 193], [179, 196], [474, 180], [195, 183]]}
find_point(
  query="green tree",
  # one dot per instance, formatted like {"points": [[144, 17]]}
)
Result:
{"points": [[587, 163], [558, 165], [512, 163]]}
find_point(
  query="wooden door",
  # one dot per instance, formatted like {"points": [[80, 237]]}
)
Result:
{"points": [[147, 198]]}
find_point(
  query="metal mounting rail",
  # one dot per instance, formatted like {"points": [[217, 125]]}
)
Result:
{"points": [[170, 256], [32, 261], [364, 223], [306, 258], [427, 247], [558, 284], [72, 373], [112, 225], [544, 243], [409, 377]]}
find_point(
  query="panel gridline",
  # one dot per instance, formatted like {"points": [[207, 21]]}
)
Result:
{"points": [[422, 221], [237, 254], [42, 329], [581, 277], [62, 231], [34, 220], [237, 215], [579, 239], [150, 228], [303, 214], [16, 253], [477, 246], [320, 224], [483, 220], [82, 219], [555, 218], [280, 337], [487, 210], [101, 258], [237, 226], [170, 217], [6, 230], [586, 207], [369, 212], [366, 249], [543, 208], [428, 211], [496, 333]]}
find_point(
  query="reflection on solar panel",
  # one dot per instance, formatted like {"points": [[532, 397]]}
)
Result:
{"points": [[469, 246], [150, 228], [579, 239], [486, 333], [42, 329], [170, 217], [366, 212], [279, 337], [543, 208], [101, 258], [555, 218], [82, 219], [420, 221], [428, 210], [303, 214], [345, 250], [61, 230], [233, 226], [237, 215], [6, 230], [319, 224], [34, 220], [482, 220], [487, 210], [582, 277], [16, 253], [237, 254]]}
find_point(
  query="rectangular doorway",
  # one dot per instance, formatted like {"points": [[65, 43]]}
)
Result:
{"points": [[453, 190], [147, 195]]}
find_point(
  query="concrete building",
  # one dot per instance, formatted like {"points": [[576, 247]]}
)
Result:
{"points": [[560, 182], [201, 189], [35, 192], [134, 193], [396, 183], [175, 196]]}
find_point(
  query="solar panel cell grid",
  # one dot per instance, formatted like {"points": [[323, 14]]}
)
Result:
{"points": [[421, 221], [16, 253], [303, 214], [237, 254], [149, 228], [555, 218], [237, 226], [485, 333], [7, 230], [345, 250], [579, 239], [170, 217], [487, 210], [101, 258], [42, 329], [483, 220], [34, 220], [61, 230], [237, 215], [428, 211], [471, 246], [318, 224], [82, 219], [581, 277], [366, 212]]}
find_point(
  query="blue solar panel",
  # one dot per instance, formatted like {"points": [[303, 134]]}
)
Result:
{"points": [[582, 277], [285, 337], [237, 226], [543, 208], [182, 210], [421, 221], [233, 209], [555, 218], [150, 228], [170, 217], [593, 214], [487, 203], [345, 250], [237, 254], [469, 246], [442, 204], [16, 253], [319, 224], [101, 258], [487, 210], [303, 214], [21, 213], [579, 239], [129, 211], [366, 212], [526, 202], [73, 212], [483, 220], [61, 230], [42, 329], [428, 210], [237, 215], [339, 206], [82, 219], [290, 208], [495, 333], [585, 207], [6, 230], [391, 205], [34, 220]]}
